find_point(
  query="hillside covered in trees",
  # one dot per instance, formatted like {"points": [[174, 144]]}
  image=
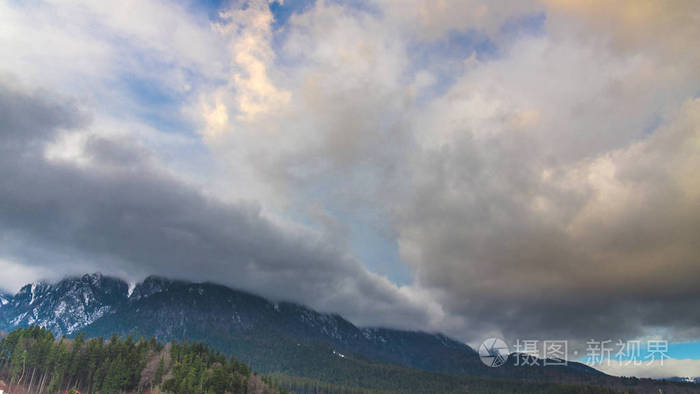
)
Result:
{"points": [[33, 360]]}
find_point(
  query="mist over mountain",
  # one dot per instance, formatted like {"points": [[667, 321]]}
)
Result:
{"points": [[234, 321], [277, 337]]}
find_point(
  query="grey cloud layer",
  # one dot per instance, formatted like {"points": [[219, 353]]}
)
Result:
{"points": [[121, 214], [606, 249]]}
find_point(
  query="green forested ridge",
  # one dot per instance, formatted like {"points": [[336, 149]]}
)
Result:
{"points": [[32, 360]]}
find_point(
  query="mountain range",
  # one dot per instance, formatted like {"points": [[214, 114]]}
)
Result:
{"points": [[272, 337], [234, 321]]}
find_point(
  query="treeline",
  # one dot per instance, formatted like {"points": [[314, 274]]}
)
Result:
{"points": [[34, 361]]}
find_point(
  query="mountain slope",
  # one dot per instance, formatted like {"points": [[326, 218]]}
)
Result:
{"points": [[272, 337], [64, 307], [233, 321], [282, 338], [148, 366], [245, 324], [4, 299], [117, 365]]}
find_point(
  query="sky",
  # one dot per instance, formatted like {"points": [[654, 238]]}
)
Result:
{"points": [[525, 169]]}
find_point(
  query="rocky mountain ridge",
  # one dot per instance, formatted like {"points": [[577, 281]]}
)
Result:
{"points": [[272, 337], [180, 310]]}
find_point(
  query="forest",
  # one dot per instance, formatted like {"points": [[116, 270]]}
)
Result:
{"points": [[33, 360]]}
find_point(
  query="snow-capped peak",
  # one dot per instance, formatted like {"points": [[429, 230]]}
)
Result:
{"points": [[4, 299], [66, 306]]}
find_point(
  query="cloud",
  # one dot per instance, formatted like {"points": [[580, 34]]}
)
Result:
{"points": [[215, 118], [634, 25], [497, 206], [15, 275], [541, 188], [431, 20], [122, 214], [488, 185], [601, 248], [506, 192], [96, 42], [251, 51]]}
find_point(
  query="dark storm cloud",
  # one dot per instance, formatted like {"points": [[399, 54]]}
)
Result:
{"points": [[606, 248], [123, 214], [25, 118]]}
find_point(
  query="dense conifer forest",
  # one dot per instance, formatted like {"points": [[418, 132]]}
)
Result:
{"points": [[32, 360]]}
